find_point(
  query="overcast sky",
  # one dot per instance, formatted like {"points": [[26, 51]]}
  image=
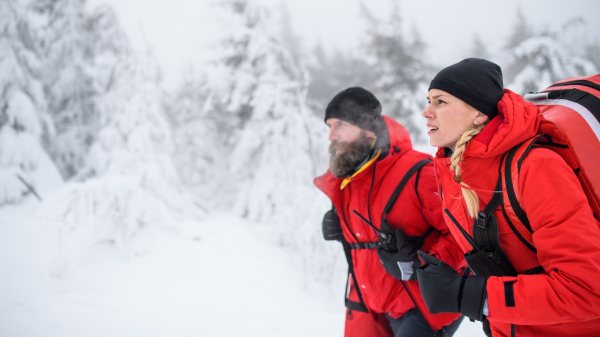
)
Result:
{"points": [[181, 31]]}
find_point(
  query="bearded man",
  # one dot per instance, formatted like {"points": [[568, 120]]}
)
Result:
{"points": [[385, 203]]}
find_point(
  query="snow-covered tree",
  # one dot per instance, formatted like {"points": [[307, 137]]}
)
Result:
{"points": [[273, 158], [330, 74], [592, 52], [66, 44], [479, 49], [202, 131], [402, 73], [520, 32], [25, 168], [128, 183], [287, 36], [544, 58], [279, 145]]}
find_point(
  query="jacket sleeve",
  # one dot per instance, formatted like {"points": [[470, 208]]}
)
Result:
{"points": [[567, 239], [445, 247]]}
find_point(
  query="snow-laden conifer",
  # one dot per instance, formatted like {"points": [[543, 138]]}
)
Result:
{"points": [[275, 140], [278, 146], [67, 44], [128, 185], [333, 72], [400, 69], [202, 131], [550, 56], [25, 168]]}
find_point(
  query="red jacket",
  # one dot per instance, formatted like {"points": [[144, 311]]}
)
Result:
{"points": [[564, 301], [413, 212]]}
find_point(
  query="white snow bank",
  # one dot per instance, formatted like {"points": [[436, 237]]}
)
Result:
{"points": [[215, 278], [21, 155]]}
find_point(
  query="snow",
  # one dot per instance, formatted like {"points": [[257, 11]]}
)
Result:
{"points": [[219, 277], [183, 211]]}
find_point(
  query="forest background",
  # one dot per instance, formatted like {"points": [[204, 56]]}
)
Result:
{"points": [[110, 134]]}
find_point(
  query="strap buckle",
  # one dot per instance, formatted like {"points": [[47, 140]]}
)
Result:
{"points": [[481, 220]]}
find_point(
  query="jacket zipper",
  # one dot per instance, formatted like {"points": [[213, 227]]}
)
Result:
{"points": [[369, 194]]}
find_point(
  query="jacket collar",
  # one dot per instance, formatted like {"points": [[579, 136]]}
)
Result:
{"points": [[347, 180], [516, 122]]}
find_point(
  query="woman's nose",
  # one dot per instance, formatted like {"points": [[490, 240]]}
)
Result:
{"points": [[426, 113]]}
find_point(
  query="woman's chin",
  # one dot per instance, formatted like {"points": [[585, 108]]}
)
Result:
{"points": [[433, 143]]}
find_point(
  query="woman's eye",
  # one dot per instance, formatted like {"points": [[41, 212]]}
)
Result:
{"points": [[440, 101]]}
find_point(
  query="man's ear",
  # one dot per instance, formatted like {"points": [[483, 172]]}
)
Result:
{"points": [[370, 134]]}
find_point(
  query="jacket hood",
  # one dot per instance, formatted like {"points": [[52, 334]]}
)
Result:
{"points": [[399, 141], [399, 136], [516, 122]]}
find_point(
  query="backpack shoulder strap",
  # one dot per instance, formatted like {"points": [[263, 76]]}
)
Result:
{"points": [[352, 305], [407, 176], [357, 306], [510, 169], [388, 207]]}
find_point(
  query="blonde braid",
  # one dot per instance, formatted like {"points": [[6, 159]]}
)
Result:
{"points": [[470, 196]]}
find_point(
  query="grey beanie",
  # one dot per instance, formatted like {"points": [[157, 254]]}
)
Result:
{"points": [[357, 106]]}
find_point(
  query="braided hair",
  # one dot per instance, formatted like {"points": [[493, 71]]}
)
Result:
{"points": [[471, 198]]}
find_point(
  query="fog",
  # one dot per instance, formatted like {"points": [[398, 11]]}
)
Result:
{"points": [[181, 32]]}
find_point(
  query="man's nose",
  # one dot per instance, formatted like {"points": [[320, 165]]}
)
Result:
{"points": [[332, 135]]}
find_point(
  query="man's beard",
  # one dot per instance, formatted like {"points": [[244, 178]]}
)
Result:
{"points": [[352, 154]]}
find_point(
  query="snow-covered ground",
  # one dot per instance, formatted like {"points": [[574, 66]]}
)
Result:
{"points": [[219, 277]]}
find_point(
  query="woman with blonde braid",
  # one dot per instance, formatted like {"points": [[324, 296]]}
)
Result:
{"points": [[552, 290]]}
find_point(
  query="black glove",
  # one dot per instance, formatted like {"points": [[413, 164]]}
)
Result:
{"points": [[403, 261], [441, 286], [332, 229]]}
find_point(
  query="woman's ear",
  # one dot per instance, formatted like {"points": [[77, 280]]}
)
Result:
{"points": [[481, 118]]}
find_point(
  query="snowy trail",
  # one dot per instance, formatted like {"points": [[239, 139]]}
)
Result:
{"points": [[215, 278], [227, 283]]}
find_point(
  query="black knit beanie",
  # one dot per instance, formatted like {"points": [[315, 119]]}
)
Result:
{"points": [[357, 106], [475, 81]]}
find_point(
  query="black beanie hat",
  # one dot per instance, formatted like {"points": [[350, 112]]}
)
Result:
{"points": [[475, 81], [357, 106]]}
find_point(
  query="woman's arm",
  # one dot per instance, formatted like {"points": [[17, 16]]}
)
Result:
{"points": [[567, 238]]}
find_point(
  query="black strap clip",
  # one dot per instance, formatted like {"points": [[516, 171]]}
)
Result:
{"points": [[481, 220]]}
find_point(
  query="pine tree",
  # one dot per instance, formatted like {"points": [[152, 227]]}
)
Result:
{"points": [[592, 53], [479, 49], [66, 42], [252, 144], [287, 35], [128, 183], [273, 157], [521, 31], [399, 65], [547, 57], [25, 168], [202, 136], [330, 74]]}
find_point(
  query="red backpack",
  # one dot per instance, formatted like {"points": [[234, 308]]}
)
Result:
{"points": [[570, 126]]}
